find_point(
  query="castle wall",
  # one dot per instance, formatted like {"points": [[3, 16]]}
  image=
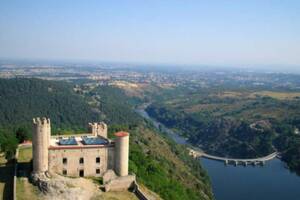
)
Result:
{"points": [[71, 160], [111, 158], [73, 156]]}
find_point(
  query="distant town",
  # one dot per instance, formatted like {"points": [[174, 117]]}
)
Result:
{"points": [[105, 74]]}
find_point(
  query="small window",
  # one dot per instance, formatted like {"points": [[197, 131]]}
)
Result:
{"points": [[97, 171], [98, 160], [81, 173], [65, 161], [64, 172], [81, 160]]}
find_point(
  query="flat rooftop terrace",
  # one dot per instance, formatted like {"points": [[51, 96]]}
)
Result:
{"points": [[75, 142]]}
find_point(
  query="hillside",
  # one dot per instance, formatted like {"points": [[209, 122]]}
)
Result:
{"points": [[233, 122], [23, 99], [160, 165]]}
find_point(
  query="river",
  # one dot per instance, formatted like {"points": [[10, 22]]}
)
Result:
{"points": [[272, 181]]}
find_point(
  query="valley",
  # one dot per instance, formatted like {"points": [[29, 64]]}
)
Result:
{"points": [[161, 165], [232, 124], [233, 115]]}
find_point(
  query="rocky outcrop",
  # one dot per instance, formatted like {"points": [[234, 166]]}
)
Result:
{"points": [[112, 182], [60, 187]]}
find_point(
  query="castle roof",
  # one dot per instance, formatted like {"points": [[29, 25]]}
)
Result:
{"points": [[121, 134], [76, 142]]}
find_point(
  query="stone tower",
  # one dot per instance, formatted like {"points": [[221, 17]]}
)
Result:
{"points": [[99, 129], [40, 143], [121, 153]]}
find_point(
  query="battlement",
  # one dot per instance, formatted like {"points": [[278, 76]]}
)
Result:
{"points": [[41, 121], [98, 125], [98, 129]]}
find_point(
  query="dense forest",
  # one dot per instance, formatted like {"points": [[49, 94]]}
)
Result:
{"points": [[115, 106], [161, 165], [23, 99]]}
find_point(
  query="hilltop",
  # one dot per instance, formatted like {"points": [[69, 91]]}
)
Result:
{"points": [[161, 165]]}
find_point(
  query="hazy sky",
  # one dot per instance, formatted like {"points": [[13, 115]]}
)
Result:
{"points": [[210, 32]]}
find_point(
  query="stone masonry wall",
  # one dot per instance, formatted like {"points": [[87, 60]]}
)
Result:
{"points": [[73, 156]]}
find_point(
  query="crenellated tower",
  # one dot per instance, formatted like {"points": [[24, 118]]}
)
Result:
{"points": [[98, 129], [40, 143]]}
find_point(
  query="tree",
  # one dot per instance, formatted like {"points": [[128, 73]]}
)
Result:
{"points": [[22, 134], [8, 144]]}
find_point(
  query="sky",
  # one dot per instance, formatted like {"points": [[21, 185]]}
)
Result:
{"points": [[191, 32]]}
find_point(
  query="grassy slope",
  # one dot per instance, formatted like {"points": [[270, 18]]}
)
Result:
{"points": [[165, 167], [26, 191]]}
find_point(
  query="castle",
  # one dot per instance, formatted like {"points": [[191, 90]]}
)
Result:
{"points": [[82, 155]]}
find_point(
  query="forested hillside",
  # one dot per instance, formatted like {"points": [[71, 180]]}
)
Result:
{"points": [[221, 136], [231, 122], [115, 106], [161, 165], [23, 99]]}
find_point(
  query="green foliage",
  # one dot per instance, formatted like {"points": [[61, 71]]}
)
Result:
{"points": [[116, 106], [219, 118], [22, 134], [160, 169], [290, 147], [147, 161], [223, 136], [159, 173], [23, 99], [8, 144], [292, 156]]}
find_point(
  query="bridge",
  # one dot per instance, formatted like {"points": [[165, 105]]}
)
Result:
{"points": [[199, 153], [235, 161]]}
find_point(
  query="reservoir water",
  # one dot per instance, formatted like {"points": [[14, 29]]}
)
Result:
{"points": [[273, 181]]}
